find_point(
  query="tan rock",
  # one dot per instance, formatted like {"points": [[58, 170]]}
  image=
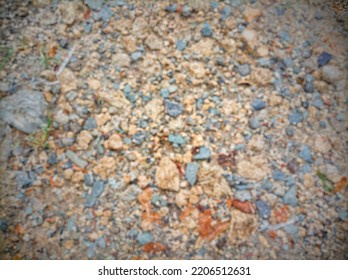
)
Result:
{"points": [[321, 86], [231, 107], [94, 84], [83, 139], [212, 181], [114, 142], [182, 198], [115, 99], [102, 119], [204, 47], [256, 168], [251, 14], [153, 42], [275, 100], [129, 43], [71, 11], [77, 177], [154, 109], [105, 167], [49, 75], [139, 28], [262, 51], [257, 143], [229, 45], [197, 140], [167, 175], [230, 23], [321, 144], [197, 70], [249, 37], [124, 26], [241, 227], [67, 81], [308, 181], [121, 59], [261, 76]]}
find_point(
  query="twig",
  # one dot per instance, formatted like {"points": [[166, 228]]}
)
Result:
{"points": [[66, 61], [281, 225]]}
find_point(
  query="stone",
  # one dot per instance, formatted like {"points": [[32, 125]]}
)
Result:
{"points": [[206, 30], [97, 190], [191, 172], [180, 45], [176, 139], [25, 179], [241, 227], [90, 124], [230, 23], [290, 197], [203, 154], [295, 118], [121, 59], [94, 84], [254, 123], [173, 109], [258, 104], [144, 238], [242, 195], [68, 81], [331, 74], [278, 175], [321, 144], [249, 37], [136, 56], [138, 138], [167, 175], [129, 43], [114, 142], [153, 42], [25, 110], [186, 11], [256, 168], [197, 70], [76, 159], [244, 69], [324, 58], [305, 153], [94, 4], [251, 14], [105, 14], [263, 209], [212, 181], [83, 139], [154, 109], [105, 167]]}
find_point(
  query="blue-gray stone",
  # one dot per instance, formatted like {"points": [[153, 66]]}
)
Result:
{"points": [[343, 214], [244, 69], [180, 45], [206, 30], [105, 13], [292, 230], [3, 225], [214, 4], [309, 87], [94, 4], [136, 56], [159, 200], [90, 124], [290, 131], [254, 123], [288, 62], [264, 62], [171, 8], [341, 117], [98, 188], [176, 139], [284, 36], [191, 172], [88, 180], [52, 158], [290, 181], [173, 89], [307, 53], [305, 153], [127, 89], [25, 179], [318, 103], [263, 208], [318, 15], [165, 93], [87, 26], [138, 138], [76, 159], [220, 61], [324, 58], [290, 197], [243, 195], [306, 168], [173, 109], [258, 104], [132, 233], [144, 238], [186, 11], [71, 224], [203, 154], [225, 12], [143, 123], [322, 124], [295, 118], [101, 242], [278, 175]]}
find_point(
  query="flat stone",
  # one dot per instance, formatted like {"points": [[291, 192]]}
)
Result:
{"points": [[305, 153], [180, 45], [244, 69], [254, 123], [176, 139], [263, 209], [76, 159], [203, 154], [153, 42], [295, 118], [173, 109], [324, 58], [191, 172], [97, 190], [206, 30], [167, 175], [25, 179], [94, 4], [290, 197], [243, 195], [145, 238], [258, 104], [90, 124]]}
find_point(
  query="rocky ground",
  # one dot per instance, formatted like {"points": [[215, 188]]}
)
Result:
{"points": [[152, 130]]}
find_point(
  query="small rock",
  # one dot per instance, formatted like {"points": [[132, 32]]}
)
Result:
{"points": [[251, 14], [88, 180], [243, 195], [105, 14], [75, 159], [136, 56], [206, 30], [138, 138], [24, 179], [180, 45], [263, 208], [244, 69], [68, 81], [191, 172], [3, 225], [258, 104], [98, 188], [203, 154], [331, 74], [83, 139], [256, 168], [173, 109], [52, 158], [305, 153], [254, 123], [167, 175], [94, 4], [186, 11], [176, 139], [324, 58], [249, 37], [153, 42], [290, 131], [295, 118], [278, 175], [90, 124], [290, 197], [114, 142], [144, 238]]}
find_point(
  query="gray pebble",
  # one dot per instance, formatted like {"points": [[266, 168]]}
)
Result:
{"points": [[144, 238], [136, 56], [138, 138], [295, 118], [191, 172], [98, 188], [76, 159], [258, 104], [254, 123], [90, 124], [305, 153], [244, 69], [206, 30], [244, 195], [263, 208], [176, 139], [203, 154], [25, 179], [173, 109], [290, 131], [290, 197]]}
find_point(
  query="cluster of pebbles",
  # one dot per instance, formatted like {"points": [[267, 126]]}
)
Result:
{"points": [[156, 130]]}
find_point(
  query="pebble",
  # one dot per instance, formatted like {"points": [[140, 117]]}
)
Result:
{"points": [[266, 184], [135, 56], [144, 238], [295, 118], [278, 175], [258, 104], [305, 153], [263, 209], [76, 159], [97, 190], [90, 124], [176, 139], [244, 69], [191, 172], [331, 74], [138, 138], [173, 109], [87, 26], [290, 197], [25, 179], [203, 154], [243, 195], [206, 30], [290, 131], [254, 123], [88, 180], [52, 158], [186, 11], [324, 58], [105, 13], [3, 225], [94, 4]]}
